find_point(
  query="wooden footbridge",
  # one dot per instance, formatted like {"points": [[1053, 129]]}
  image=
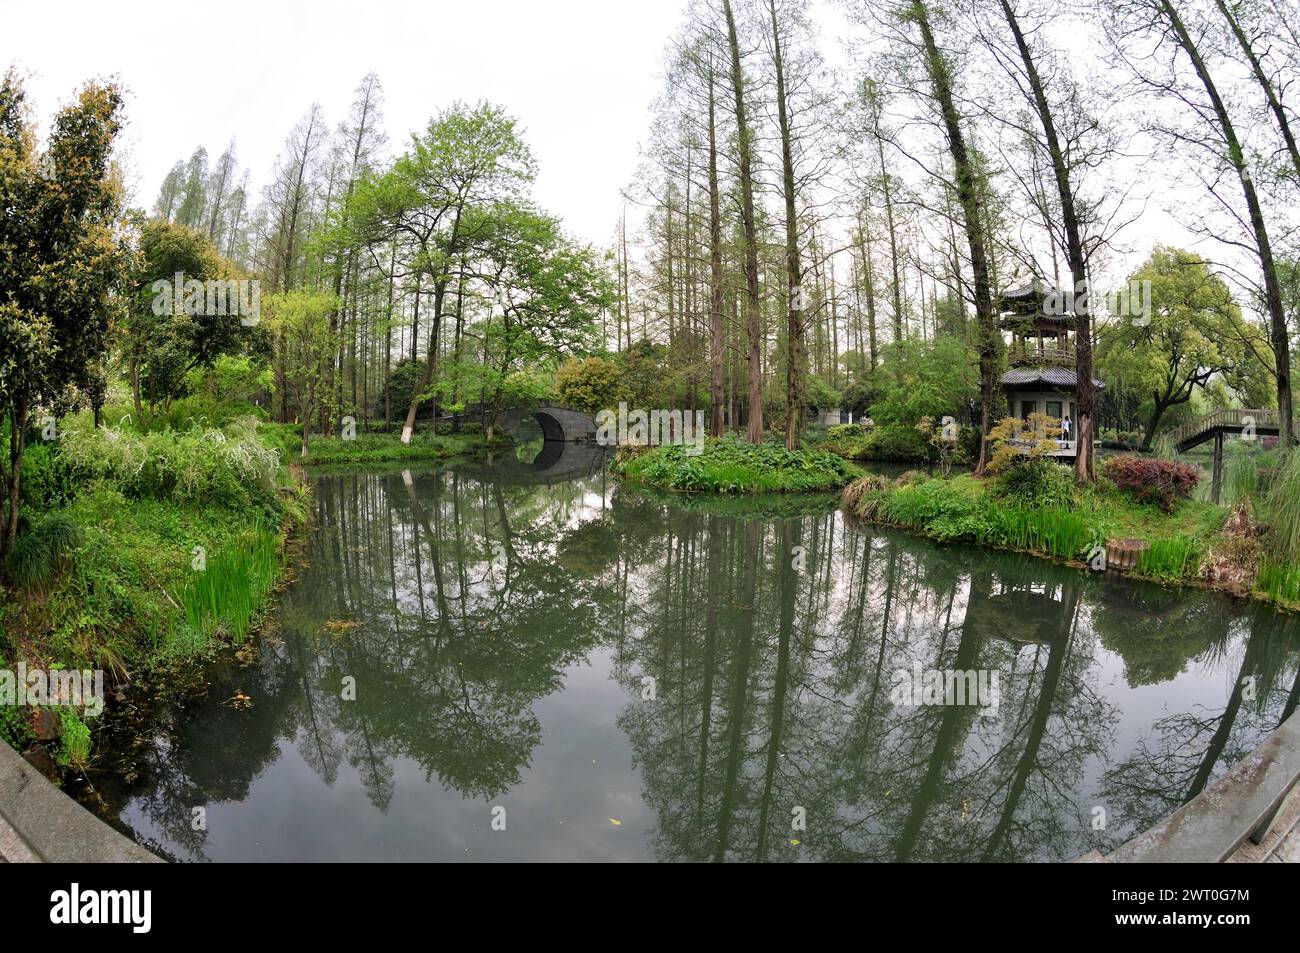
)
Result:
{"points": [[1244, 424]]}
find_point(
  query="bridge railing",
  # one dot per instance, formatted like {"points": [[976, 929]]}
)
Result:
{"points": [[1224, 419]]}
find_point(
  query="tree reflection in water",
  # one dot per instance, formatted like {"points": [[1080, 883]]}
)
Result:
{"points": [[501, 629]]}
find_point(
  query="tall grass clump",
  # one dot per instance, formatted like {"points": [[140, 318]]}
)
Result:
{"points": [[1279, 580], [1174, 558], [1282, 507], [1036, 483], [1061, 533], [225, 597], [43, 550]]}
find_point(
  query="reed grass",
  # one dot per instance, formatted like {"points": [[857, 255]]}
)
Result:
{"points": [[227, 595], [1174, 558], [1278, 579]]}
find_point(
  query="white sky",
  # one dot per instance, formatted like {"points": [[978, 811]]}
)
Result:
{"points": [[579, 74]]}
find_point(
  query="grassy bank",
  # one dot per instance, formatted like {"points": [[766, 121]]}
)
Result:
{"points": [[1039, 510], [376, 447], [731, 465], [139, 550]]}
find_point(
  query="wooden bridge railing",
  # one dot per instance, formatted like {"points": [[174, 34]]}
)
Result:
{"points": [[1186, 436]]}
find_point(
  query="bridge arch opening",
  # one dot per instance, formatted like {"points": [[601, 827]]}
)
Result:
{"points": [[551, 428]]}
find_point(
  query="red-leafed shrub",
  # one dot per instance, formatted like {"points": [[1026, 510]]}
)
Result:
{"points": [[1152, 480]]}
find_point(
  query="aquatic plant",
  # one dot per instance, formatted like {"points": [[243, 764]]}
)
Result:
{"points": [[227, 593], [1175, 558]]}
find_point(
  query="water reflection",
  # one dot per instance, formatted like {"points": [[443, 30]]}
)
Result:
{"points": [[581, 655]]}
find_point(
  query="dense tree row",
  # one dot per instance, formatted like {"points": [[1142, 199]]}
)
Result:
{"points": [[800, 223]]}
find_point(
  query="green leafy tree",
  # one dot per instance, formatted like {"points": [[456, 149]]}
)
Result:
{"points": [[64, 261], [929, 379], [305, 342], [441, 199], [1193, 334], [590, 384], [162, 344]]}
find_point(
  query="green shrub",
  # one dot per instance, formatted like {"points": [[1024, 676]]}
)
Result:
{"points": [[897, 443], [200, 465], [74, 741], [46, 481], [845, 431], [1036, 483], [730, 465], [589, 384], [945, 509], [467, 428]]}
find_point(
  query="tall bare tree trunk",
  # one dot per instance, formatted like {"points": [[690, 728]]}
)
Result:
{"points": [[968, 195], [1288, 135], [1085, 393], [753, 317], [794, 343], [715, 273]]}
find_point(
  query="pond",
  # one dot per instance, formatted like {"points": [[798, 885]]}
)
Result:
{"points": [[522, 660]]}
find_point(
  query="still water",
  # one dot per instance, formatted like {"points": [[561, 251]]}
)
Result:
{"points": [[608, 676]]}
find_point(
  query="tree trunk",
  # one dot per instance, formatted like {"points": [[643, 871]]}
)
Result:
{"points": [[1279, 336], [1085, 392], [715, 274], [968, 197], [17, 446], [794, 348], [135, 390], [1279, 332], [408, 429], [753, 317]]}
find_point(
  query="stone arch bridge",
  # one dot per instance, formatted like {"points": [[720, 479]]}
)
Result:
{"points": [[559, 424]]}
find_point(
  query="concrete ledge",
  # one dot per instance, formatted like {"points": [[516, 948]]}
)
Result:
{"points": [[39, 823], [1244, 802]]}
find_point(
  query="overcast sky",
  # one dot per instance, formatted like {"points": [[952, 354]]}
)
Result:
{"points": [[579, 74]]}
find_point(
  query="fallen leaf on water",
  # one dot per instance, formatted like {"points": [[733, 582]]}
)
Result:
{"points": [[239, 701], [793, 842], [616, 822]]}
